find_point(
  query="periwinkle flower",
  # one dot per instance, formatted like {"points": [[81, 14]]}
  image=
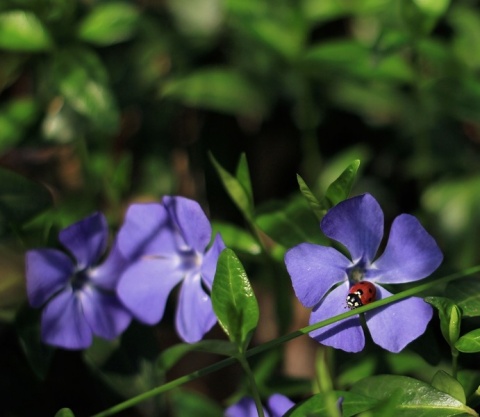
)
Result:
{"points": [[169, 243], [410, 255], [277, 405], [78, 295]]}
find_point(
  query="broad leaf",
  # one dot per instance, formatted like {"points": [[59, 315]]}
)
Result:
{"points": [[447, 383], [470, 342], [20, 199], [415, 398], [23, 31], [450, 317], [109, 23], [233, 299], [340, 189], [466, 294], [240, 195]]}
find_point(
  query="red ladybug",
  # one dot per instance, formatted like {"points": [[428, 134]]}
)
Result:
{"points": [[360, 294]]}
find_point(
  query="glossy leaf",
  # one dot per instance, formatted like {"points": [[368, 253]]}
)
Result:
{"points": [[316, 406], [233, 299], [470, 342], [450, 317], [64, 412], [240, 195], [339, 190], [447, 383], [20, 198], [23, 31], [416, 398], [318, 208], [466, 294], [222, 90], [109, 23]]}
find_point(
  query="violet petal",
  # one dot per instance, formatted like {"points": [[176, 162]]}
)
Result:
{"points": [[411, 253], [209, 265], [314, 270], [279, 404], [194, 316], [244, 408], [63, 323], [47, 272], [108, 273], [396, 325], [346, 334], [357, 223]]}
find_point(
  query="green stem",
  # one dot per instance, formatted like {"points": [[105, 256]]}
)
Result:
{"points": [[253, 385], [283, 339], [455, 354]]}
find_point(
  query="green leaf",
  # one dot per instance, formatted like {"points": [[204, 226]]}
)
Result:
{"points": [[64, 412], [340, 189], [318, 208], [15, 117], [20, 199], [233, 299], [23, 31], [243, 176], [450, 317], [434, 8], [413, 398], [188, 404], [352, 404], [82, 80], [240, 195], [222, 90], [470, 342], [109, 23], [448, 384], [466, 294], [237, 238], [291, 224]]}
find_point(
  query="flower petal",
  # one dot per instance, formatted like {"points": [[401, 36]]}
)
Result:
{"points": [[47, 272], [145, 285], [279, 404], [104, 313], [209, 265], [357, 223], [191, 220], [146, 230], [194, 316], [346, 334], [108, 273], [63, 323], [86, 240], [314, 270], [396, 325], [244, 408], [411, 253]]}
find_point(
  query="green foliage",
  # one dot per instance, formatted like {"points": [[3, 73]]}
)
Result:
{"points": [[470, 342], [233, 300], [466, 294], [448, 384], [450, 317], [64, 412]]}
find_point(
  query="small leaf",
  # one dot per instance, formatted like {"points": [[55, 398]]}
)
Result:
{"points": [[222, 90], [233, 299], [239, 194], [470, 342], [64, 412], [450, 317], [339, 190], [466, 294], [23, 31], [318, 208], [447, 383], [415, 398], [243, 176], [20, 199], [109, 23]]}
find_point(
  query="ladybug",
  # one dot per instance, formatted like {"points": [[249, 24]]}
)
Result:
{"points": [[360, 294]]}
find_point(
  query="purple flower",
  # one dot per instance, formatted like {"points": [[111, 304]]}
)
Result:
{"points": [[78, 295], [410, 255], [277, 406], [169, 243]]}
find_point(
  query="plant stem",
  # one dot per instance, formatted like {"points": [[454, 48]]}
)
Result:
{"points": [[253, 385], [283, 339]]}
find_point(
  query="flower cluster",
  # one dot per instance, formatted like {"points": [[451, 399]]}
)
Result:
{"points": [[159, 246], [323, 277]]}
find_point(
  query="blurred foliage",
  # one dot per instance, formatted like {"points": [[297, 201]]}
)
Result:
{"points": [[107, 102]]}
